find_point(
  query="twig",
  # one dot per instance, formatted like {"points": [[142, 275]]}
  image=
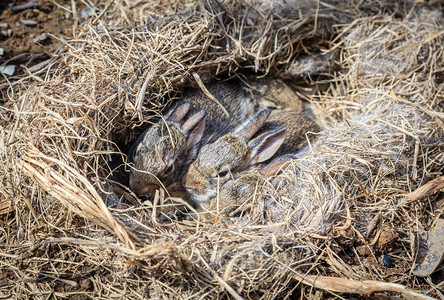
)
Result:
{"points": [[373, 224], [367, 287], [102, 13], [425, 190], [94, 22], [24, 6]]}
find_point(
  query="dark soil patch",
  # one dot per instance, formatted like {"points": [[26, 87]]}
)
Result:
{"points": [[29, 37]]}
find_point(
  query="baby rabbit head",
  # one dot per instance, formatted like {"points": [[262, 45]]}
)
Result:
{"points": [[162, 152], [232, 153]]}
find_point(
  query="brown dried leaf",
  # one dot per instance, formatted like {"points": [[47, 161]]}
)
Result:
{"points": [[431, 250]]}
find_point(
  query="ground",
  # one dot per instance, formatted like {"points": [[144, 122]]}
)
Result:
{"points": [[24, 45]]}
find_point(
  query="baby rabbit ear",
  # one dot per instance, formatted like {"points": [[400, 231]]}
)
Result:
{"points": [[195, 127], [267, 145], [275, 166], [179, 112], [254, 124]]}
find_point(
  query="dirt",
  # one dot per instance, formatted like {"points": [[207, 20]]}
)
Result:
{"points": [[25, 45]]}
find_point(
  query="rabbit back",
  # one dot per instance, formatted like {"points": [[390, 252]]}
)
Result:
{"points": [[233, 107]]}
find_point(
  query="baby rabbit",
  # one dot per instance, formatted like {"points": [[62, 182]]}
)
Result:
{"points": [[164, 151], [236, 191], [277, 132]]}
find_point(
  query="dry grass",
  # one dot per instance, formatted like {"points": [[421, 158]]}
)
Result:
{"points": [[65, 128]]}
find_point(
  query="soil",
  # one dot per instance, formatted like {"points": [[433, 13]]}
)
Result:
{"points": [[22, 35]]}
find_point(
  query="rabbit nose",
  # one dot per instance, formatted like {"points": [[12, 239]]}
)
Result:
{"points": [[191, 187]]}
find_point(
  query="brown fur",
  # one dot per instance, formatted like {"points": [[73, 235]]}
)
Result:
{"points": [[233, 154], [297, 124], [163, 146], [241, 189]]}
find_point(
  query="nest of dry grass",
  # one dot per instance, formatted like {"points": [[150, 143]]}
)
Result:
{"points": [[66, 128]]}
